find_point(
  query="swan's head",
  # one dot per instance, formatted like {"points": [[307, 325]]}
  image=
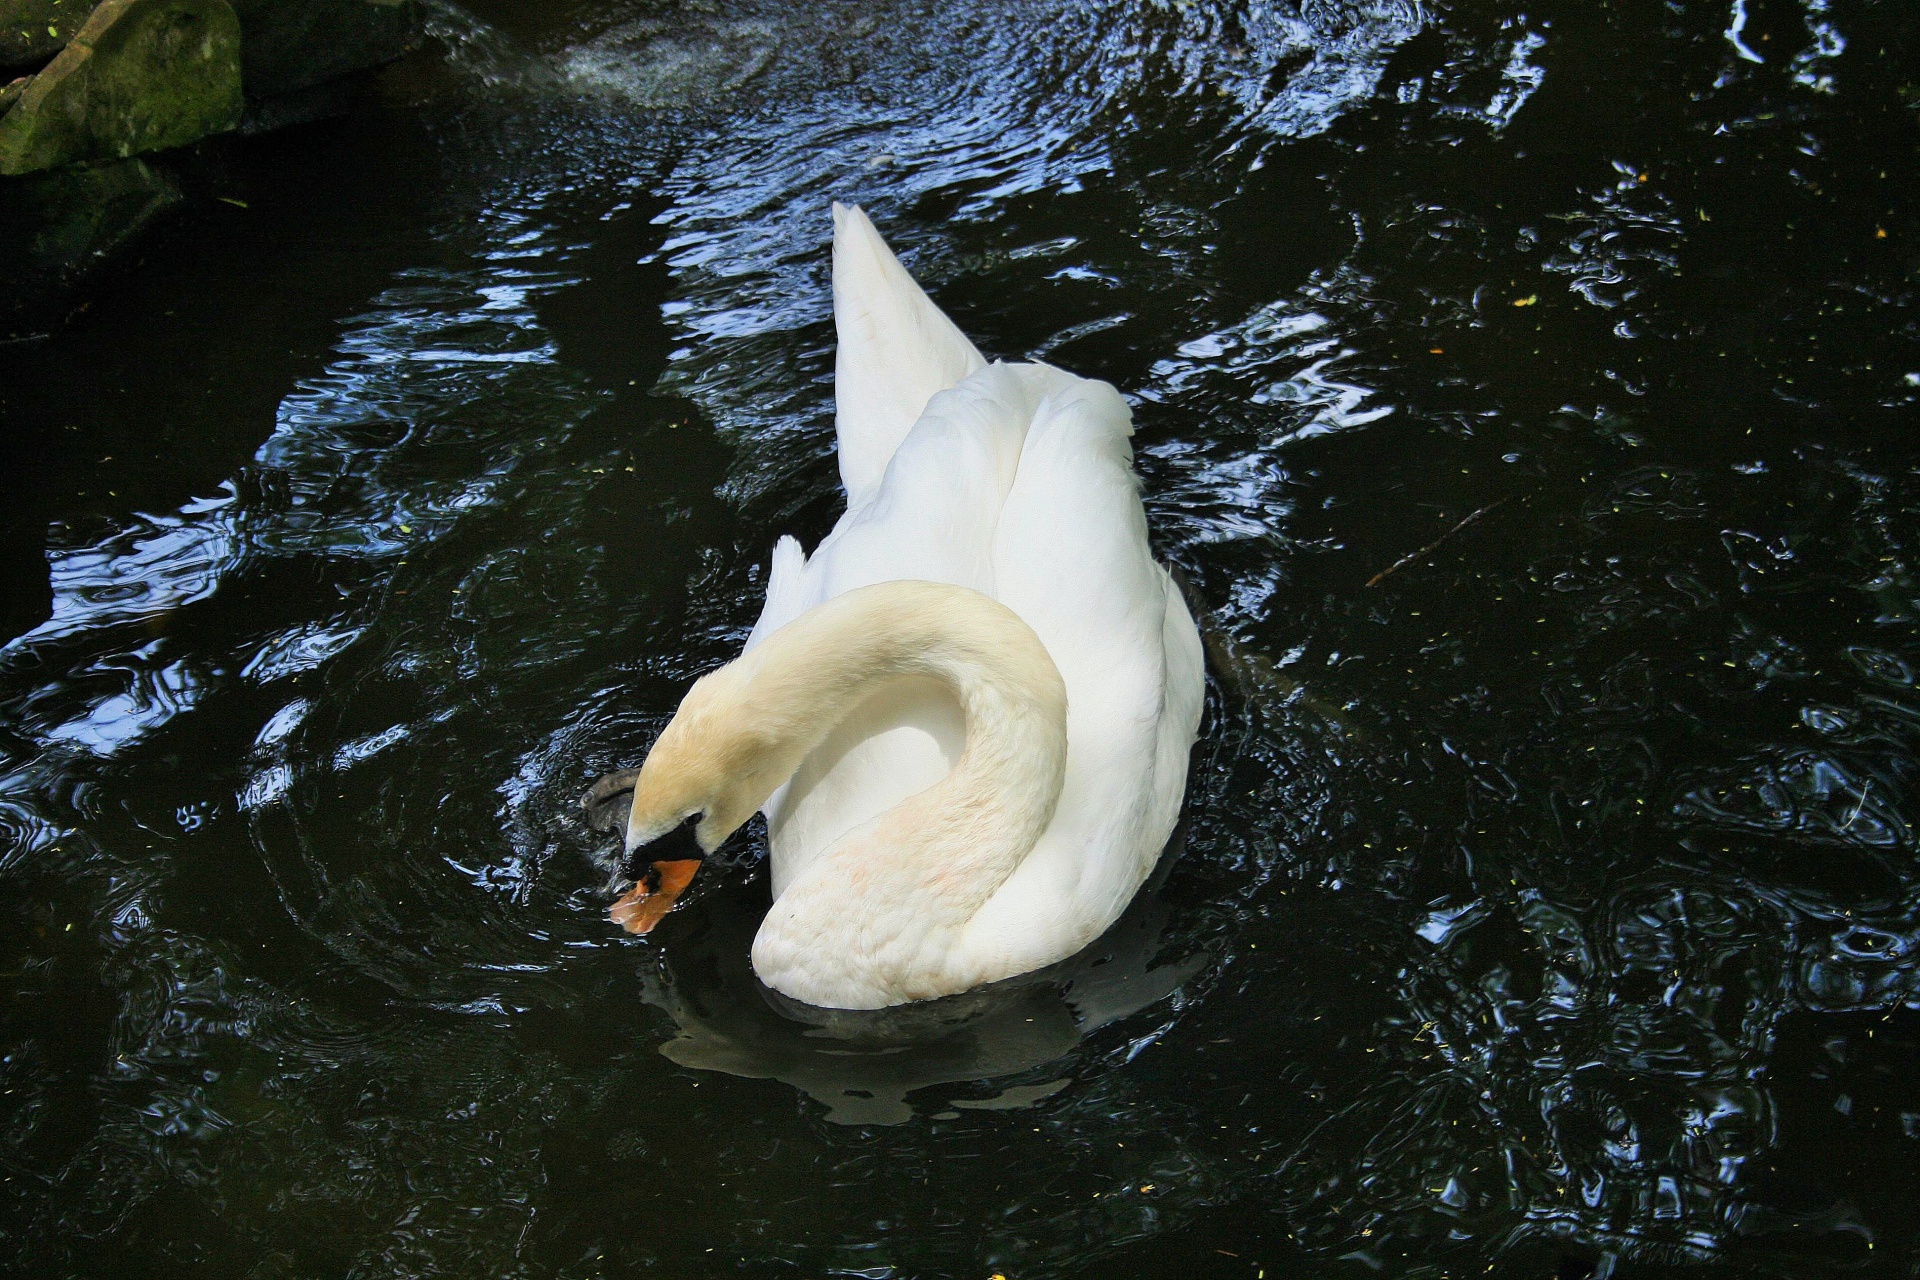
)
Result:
{"points": [[714, 760]]}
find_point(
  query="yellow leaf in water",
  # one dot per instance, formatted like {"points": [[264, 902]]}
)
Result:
{"points": [[1527, 301]]}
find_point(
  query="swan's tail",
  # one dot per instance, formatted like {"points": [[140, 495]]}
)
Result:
{"points": [[897, 350]]}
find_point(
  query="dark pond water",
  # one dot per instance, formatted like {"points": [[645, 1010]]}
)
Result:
{"points": [[1546, 907]]}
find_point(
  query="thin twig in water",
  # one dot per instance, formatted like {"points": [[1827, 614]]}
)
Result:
{"points": [[1858, 807], [1433, 546]]}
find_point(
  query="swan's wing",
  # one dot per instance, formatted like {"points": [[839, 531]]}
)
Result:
{"points": [[934, 512], [932, 517], [897, 350], [1180, 717], [1071, 558]]}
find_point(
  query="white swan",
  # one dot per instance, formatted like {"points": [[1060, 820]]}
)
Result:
{"points": [[967, 715]]}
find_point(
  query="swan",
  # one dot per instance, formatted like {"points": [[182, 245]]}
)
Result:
{"points": [[967, 715]]}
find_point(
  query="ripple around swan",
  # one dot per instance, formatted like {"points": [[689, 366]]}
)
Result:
{"points": [[1548, 894]]}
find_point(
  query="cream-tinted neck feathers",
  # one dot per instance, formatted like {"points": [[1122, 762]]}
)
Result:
{"points": [[932, 860]]}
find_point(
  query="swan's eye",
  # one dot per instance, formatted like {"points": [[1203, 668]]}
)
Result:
{"points": [[677, 845]]}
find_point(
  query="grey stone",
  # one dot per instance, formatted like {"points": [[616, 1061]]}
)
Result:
{"points": [[292, 45], [31, 31], [141, 75], [303, 106]]}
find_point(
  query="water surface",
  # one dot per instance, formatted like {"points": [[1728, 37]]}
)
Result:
{"points": [[1528, 395]]}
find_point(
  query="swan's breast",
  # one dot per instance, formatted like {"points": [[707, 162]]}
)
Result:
{"points": [[897, 743]]}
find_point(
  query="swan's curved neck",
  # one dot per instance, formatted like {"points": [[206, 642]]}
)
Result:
{"points": [[906, 883]]}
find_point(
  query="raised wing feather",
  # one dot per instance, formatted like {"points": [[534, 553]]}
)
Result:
{"points": [[897, 351]]}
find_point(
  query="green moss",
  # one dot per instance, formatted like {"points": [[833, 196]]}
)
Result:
{"points": [[34, 30]]}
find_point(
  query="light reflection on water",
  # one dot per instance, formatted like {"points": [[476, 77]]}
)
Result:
{"points": [[1549, 904]]}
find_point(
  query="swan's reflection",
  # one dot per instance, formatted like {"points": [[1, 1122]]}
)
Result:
{"points": [[862, 1064]]}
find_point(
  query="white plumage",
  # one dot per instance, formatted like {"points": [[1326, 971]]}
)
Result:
{"points": [[1013, 481]]}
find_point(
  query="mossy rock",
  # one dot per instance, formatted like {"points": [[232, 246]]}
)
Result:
{"points": [[59, 228], [31, 31], [141, 75]]}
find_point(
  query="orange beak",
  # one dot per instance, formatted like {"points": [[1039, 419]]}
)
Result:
{"points": [[642, 907]]}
